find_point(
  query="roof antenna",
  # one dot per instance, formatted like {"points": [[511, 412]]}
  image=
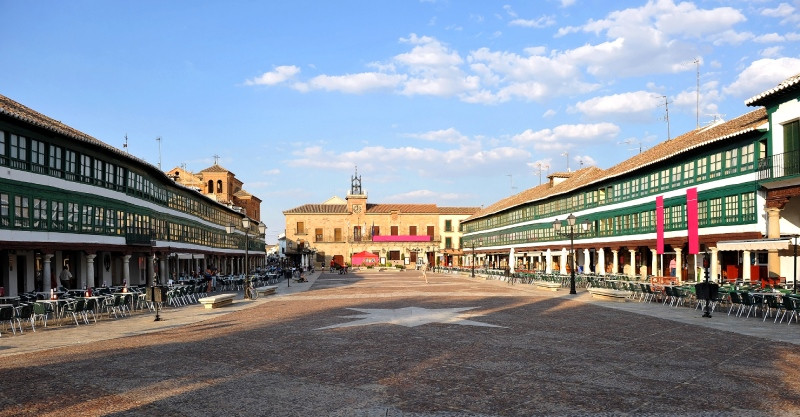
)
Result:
{"points": [[666, 115], [125, 145]]}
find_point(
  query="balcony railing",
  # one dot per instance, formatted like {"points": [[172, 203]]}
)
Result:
{"points": [[779, 166]]}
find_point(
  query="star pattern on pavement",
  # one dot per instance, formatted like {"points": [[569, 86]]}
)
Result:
{"points": [[411, 317]]}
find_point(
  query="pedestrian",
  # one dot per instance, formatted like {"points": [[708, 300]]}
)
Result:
{"points": [[672, 267], [65, 276], [424, 269]]}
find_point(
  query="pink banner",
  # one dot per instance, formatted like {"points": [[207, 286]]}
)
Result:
{"points": [[402, 238], [660, 224], [692, 221]]}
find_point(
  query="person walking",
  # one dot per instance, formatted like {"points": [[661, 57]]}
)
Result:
{"points": [[424, 269], [65, 276]]}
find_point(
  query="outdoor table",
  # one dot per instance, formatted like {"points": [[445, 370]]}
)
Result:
{"points": [[132, 294], [14, 301], [58, 305]]}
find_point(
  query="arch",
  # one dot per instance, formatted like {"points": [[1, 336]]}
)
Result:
{"points": [[210, 186]]}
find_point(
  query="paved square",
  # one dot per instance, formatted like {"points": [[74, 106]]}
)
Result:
{"points": [[378, 344]]}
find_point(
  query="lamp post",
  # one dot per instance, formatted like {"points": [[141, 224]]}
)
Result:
{"points": [[795, 264], [262, 228], [480, 243], [571, 220]]}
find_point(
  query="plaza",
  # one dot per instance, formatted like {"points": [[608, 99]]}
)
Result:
{"points": [[379, 343]]}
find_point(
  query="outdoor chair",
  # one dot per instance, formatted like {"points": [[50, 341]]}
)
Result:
{"points": [[789, 306], [75, 308], [736, 302], [41, 311], [7, 316], [25, 314], [89, 307]]}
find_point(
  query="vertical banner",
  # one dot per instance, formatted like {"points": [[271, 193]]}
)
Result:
{"points": [[692, 221], [660, 224]]}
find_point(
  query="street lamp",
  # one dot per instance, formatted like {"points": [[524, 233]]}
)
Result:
{"points": [[262, 228], [480, 243], [795, 264], [571, 219]]}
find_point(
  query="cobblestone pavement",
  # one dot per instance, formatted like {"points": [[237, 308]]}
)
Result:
{"points": [[388, 344]]}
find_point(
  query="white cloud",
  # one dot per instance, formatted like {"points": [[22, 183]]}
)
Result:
{"points": [[564, 136], [422, 196], [273, 171], [541, 22], [783, 10], [636, 105], [353, 83], [450, 135], [762, 75], [769, 38], [771, 52], [279, 75], [549, 113]]}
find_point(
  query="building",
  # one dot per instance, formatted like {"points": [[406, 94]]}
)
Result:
{"points": [[726, 191], [68, 199], [400, 234], [221, 185]]}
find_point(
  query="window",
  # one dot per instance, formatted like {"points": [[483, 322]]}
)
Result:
{"points": [[731, 161], [748, 157], [55, 162], [702, 169], [654, 182], [412, 230], [716, 211], [57, 215], [22, 217], [665, 179], [430, 231], [394, 255], [301, 228], [99, 220], [318, 235], [38, 153], [448, 225], [39, 213], [87, 220], [448, 243], [2, 148], [211, 186], [4, 211], [715, 165], [357, 233], [376, 230], [98, 171], [110, 171], [394, 230], [702, 212], [688, 172], [337, 234], [748, 207], [219, 186], [86, 168], [677, 175], [732, 208]]}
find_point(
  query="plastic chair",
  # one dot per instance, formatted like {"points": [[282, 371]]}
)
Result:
{"points": [[41, 311], [7, 316], [75, 308], [25, 314], [789, 306]]}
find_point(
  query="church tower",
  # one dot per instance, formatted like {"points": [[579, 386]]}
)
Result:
{"points": [[356, 198]]}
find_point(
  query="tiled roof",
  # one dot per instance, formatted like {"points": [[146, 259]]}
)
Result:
{"points": [[787, 83], [403, 208], [318, 209], [215, 168], [668, 149], [23, 113], [458, 210]]}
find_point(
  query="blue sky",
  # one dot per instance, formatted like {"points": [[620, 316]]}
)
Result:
{"points": [[458, 103]]}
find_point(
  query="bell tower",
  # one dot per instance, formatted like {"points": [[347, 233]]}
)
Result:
{"points": [[356, 198]]}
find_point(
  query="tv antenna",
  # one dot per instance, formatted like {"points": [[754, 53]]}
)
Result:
{"points": [[632, 141], [125, 145], [159, 152], [541, 167], [566, 154], [511, 178], [666, 115], [697, 105]]}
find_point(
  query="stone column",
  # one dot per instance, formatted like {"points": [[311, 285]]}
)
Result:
{"points": [[563, 261], [773, 232], [632, 271], [615, 263], [714, 269], [746, 266], [126, 269], [47, 272], [163, 273], [150, 271], [512, 261], [654, 262], [679, 264], [600, 268], [90, 270]]}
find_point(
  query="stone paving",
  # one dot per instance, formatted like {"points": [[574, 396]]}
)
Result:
{"points": [[388, 344]]}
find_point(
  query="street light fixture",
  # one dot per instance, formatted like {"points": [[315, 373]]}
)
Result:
{"points": [[571, 220]]}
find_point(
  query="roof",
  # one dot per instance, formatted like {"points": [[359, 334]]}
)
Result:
{"points": [[403, 208], [318, 209], [25, 114], [789, 84], [458, 210], [749, 122], [216, 168], [330, 208]]}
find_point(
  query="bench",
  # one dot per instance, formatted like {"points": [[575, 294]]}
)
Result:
{"points": [[267, 290], [216, 301], [608, 294], [552, 286]]}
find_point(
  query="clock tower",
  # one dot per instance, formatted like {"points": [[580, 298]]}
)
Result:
{"points": [[356, 198]]}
